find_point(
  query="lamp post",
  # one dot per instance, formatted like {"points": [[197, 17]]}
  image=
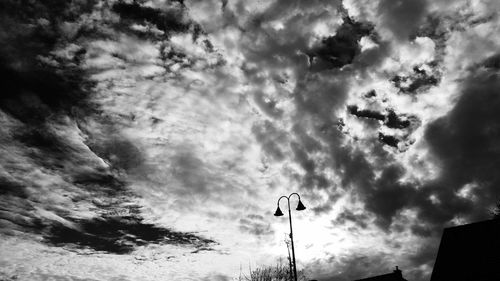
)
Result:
{"points": [[289, 258], [278, 213]]}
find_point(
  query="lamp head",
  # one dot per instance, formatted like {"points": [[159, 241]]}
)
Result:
{"points": [[300, 206], [278, 212]]}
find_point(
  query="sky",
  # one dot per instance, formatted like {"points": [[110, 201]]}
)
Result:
{"points": [[150, 140]]}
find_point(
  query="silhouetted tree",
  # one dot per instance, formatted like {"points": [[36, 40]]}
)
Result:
{"points": [[279, 272]]}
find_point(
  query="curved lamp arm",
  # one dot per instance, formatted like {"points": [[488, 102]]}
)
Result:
{"points": [[300, 206]]}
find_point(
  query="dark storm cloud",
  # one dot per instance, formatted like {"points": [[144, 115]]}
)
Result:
{"points": [[354, 167], [465, 142], [358, 174], [340, 49], [386, 195], [116, 225], [320, 93], [370, 94], [33, 92], [396, 121], [373, 191], [389, 140], [290, 46], [12, 188], [118, 235], [391, 119], [492, 62], [321, 85], [369, 169], [406, 124], [365, 113], [65, 164], [416, 82]]}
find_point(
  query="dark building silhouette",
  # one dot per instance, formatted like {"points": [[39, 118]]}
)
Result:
{"points": [[469, 252], [396, 275]]}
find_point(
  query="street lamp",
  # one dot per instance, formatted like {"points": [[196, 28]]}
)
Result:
{"points": [[278, 213]]}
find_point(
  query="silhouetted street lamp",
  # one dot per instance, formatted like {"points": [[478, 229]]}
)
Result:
{"points": [[278, 213]]}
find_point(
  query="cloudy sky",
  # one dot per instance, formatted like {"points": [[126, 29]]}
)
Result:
{"points": [[150, 140]]}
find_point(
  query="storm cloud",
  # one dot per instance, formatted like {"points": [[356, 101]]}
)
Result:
{"points": [[59, 143], [154, 136]]}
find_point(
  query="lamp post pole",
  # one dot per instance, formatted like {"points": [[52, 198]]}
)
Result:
{"points": [[289, 258], [278, 213]]}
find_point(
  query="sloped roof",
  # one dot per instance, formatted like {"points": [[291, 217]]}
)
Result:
{"points": [[469, 252], [396, 275]]}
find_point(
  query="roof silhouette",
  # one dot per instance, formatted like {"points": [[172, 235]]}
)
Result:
{"points": [[469, 252], [396, 275]]}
